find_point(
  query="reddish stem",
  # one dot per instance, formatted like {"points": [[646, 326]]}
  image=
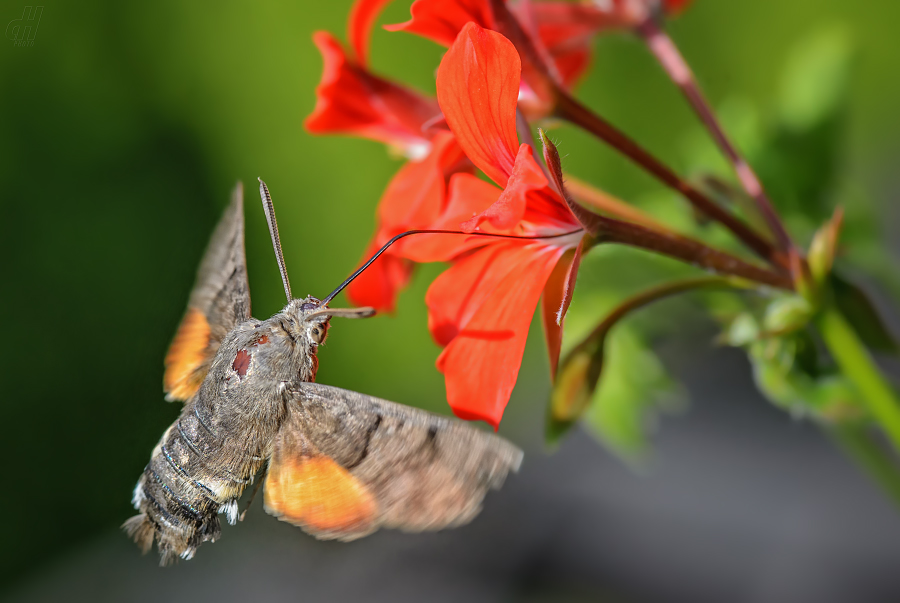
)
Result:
{"points": [[663, 241], [672, 61], [571, 110], [685, 249], [536, 72]]}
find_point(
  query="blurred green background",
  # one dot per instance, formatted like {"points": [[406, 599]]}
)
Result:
{"points": [[126, 125]]}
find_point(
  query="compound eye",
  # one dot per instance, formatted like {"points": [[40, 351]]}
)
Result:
{"points": [[317, 332], [309, 306]]}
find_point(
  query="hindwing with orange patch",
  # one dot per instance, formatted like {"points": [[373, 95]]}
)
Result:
{"points": [[219, 301], [345, 464], [310, 490]]}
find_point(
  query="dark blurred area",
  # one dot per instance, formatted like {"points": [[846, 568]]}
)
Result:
{"points": [[125, 127]]}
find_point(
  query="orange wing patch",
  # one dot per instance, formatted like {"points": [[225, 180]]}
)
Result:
{"points": [[320, 496], [186, 354]]}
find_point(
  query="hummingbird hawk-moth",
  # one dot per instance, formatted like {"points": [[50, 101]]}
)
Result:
{"points": [[337, 463]]}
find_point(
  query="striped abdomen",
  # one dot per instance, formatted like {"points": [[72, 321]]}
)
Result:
{"points": [[194, 474]]}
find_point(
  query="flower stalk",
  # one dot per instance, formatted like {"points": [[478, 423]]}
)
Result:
{"points": [[658, 240], [537, 74], [603, 202], [688, 250], [855, 362], [573, 111], [675, 66]]}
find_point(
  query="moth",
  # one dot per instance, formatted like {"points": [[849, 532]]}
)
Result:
{"points": [[336, 463]]}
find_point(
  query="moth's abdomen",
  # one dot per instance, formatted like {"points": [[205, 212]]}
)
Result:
{"points": [[182, 491]]}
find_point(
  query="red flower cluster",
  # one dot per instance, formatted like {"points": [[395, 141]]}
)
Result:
{"points": [[480, 308]]}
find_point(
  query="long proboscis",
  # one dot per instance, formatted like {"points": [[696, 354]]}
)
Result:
{"points": [[364, 312], [384, 248]]}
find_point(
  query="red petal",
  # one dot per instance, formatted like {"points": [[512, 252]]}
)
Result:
{"points": [[442, 20], [359, 27], [414, 199], [502, 288], [631, 13], [468, 195], [556, 300], [350, 100], [416, 195], [673, 7], [456, 294], [379, 284], [527, 196], [477, 88], [566, 30]]}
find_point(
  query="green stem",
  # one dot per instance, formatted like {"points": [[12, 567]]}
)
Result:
{"points": [[856, 363], [859, 445]]}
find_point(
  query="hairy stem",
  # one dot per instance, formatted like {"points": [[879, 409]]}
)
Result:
{"points": [[856, 363], [668, 55]]}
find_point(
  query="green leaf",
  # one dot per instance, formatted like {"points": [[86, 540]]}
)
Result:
{"points": [[787, 372], [800, 164], [634, 386], [581, 369], [777, 371], [858, 310], [815, 79]]}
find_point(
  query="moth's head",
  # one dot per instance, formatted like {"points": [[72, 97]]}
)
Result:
{"points": [[309, 316], [313, 317], [314, 323]]}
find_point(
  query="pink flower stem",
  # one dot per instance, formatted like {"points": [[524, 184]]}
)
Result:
{"points": [[672, 61]]}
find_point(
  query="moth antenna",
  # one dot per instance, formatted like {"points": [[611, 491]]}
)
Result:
{"points": [[384, 248], [269, 208]]}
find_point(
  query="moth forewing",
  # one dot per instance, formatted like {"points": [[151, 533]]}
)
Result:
{"points": [[220, 299]]}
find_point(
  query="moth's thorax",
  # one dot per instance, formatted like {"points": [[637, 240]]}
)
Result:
{"points": [[260, 355]]}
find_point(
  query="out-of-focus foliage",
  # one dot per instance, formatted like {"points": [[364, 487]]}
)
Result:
{"points": [[796, 143]]}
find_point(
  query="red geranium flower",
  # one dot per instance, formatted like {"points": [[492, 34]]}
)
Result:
{"points": [[413, 200], [634, 12], [480, 309], [352, 100], [559, 34]]}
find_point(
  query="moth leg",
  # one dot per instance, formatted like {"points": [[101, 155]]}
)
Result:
{"points": [[256, 486]]}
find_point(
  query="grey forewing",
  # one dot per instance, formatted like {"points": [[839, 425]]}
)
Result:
{"points": [[221, 291]]}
